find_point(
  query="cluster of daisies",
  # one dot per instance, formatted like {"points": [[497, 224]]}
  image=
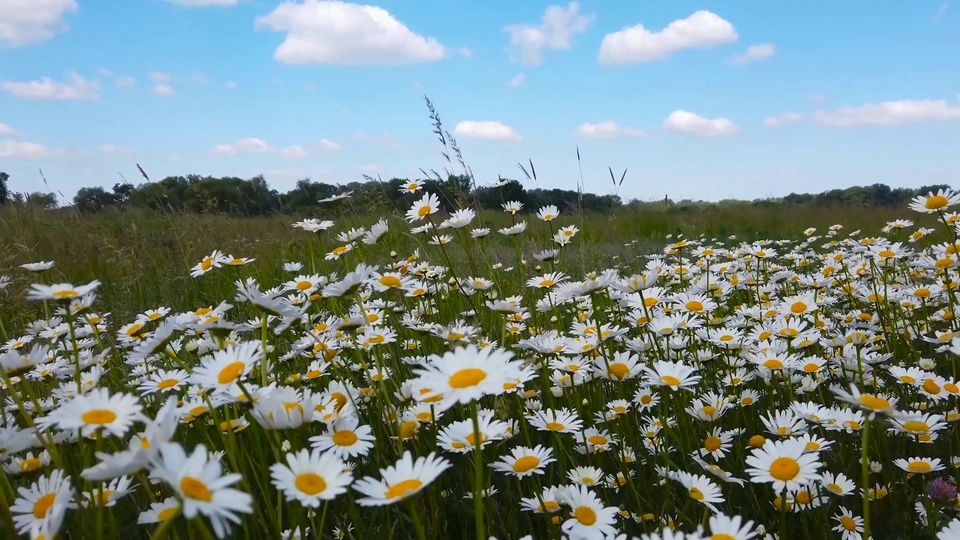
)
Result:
{"points": [[723, 390]]}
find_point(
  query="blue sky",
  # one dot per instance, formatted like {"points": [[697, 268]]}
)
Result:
{"points": [[705, 100]]}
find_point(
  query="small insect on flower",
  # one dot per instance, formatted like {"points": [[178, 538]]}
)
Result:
{"points": [[310, 477], [400, 481]]}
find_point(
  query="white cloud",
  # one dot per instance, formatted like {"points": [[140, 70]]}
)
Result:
{"points": [[556, 30], [254, 145], [693, 124], [7, 131], [29, 150], [889, 113], [163, 89], [941, 11], [125, 82], [231, 85], [328, 146], [113, 150], [105, 72], [293, 152], [489, 130], [29, 22], [781, 120], [160, 77], [754, 53], [205, 3], [250, 145], [346, 111], [465, 52], [607, 130], [517, 80], [636, 44], [75, 87], [341, 33]]}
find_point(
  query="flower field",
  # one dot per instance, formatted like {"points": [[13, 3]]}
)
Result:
{"points": [[441, 375]]}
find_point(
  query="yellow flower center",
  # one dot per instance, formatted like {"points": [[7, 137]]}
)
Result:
{"points": [[916, 426], [43, 504], [166, 514], [874, 402], [712, 443], [195, 489], [597, 440], [230, 372], [773, 363], [848, 523], [784, 468], [936, 202], [310, 483], [98, 416], [390, 281], [585, 515], [696, 494], [29, 465], [167, 383], [554, 426], [670, 380], [931, 386], [919, 467], [304, 285], [345, 438], [402, 488], [708, 410], [835, 488], [465, 378], [619, 370], [525, 464], [693, 305]]}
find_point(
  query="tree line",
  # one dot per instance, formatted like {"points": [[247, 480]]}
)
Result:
{"points": [[253, 196]]}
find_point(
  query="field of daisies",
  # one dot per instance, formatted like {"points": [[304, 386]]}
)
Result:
{"points": [[475, 388]]}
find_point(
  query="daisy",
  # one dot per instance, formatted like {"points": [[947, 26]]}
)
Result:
{"points": [[557, 421], [723, 527], [589, 517], [587, 476], [919, 465], [199, 482], [311, 476], [673, 375], [871, 403], [848, 525], [427, 205], [784, 464], [548, 213], [34, 503], [225, 367], [932, 203], [466, 374], [165, 381], [37, 266], [27, 464], [838, 484], [94, 411], [524, 461], [160, 511], [700, 489], [346, 438], [547, 502], [60, 292], [208, 263], [404, 479], [111, 493]]}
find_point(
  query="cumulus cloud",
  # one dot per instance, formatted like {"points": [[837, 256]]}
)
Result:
{"points": [[754, 53], [254, 145], [163, 90], [556, 31], [607, 130], [29, 150], [205, 3], [781, 120], [250, 145], [517, 80], [693, 124], [231, 85], [636, 44], [889, 113], [486, 129], [113, 150], [29, 22], [7, 131], [341, 33], [160, 77], [74, 88], [125, 82]]}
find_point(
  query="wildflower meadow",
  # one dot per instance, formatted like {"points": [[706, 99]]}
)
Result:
{"points": [[457, 374]]}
